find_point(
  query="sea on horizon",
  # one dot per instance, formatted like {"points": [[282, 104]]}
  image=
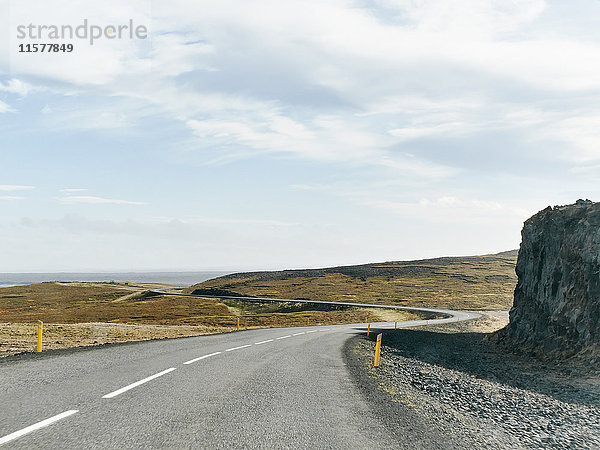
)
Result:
{"points": [[175, 278]]}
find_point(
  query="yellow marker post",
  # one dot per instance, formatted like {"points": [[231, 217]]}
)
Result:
{"points": [[39, 335], [368, 329], [238, 325], [307, 321], [395, 325], [377, 350]]}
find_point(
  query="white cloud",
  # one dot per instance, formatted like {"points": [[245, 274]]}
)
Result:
{"points": [[467, 16], [401, 107], [96, 200], [73, 190], [453, 210], [15, 187], [226, 221], [4, 107], [10, 197], [583, 133], [454, 202], [15, 86], [308, 187], [442, 129], [325, 138], [438, 70], [277, 133]]}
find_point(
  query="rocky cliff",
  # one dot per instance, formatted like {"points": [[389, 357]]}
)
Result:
{"points": [[556, 309]]}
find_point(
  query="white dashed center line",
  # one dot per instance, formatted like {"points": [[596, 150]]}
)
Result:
{"points": [[263, 342], [36, 426], [297, 334], [237, 348], [284, 337], [312, 331], [202, 357], [137, 383]]}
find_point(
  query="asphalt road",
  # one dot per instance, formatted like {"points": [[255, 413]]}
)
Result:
{"points": [[271, 388]]}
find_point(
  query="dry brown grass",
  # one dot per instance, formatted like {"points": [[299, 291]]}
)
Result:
{"points": [[81, 314], [21, 337], [78, 314], [480, 282], [81, 303]]}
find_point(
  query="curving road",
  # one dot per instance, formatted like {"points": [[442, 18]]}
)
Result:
{"points": [[268, 388]]}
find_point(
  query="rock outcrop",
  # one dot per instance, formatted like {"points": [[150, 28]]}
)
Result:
{"points": [[556, 309]]}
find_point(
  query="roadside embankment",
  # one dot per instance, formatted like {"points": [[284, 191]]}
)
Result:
{"points": [[453, 377]]}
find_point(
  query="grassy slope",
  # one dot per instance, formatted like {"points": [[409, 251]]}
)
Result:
{"points": [[71, 303], [94, 302], [473, 282]]}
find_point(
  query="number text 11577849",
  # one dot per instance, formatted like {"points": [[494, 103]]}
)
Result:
{"points": [[47, 48]]}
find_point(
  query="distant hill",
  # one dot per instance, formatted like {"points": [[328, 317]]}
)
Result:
{"points": [[468, 282]]}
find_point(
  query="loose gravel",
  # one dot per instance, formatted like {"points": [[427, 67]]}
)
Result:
{"points": [[477, 395]]}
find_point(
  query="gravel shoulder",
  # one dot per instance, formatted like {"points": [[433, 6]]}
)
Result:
{"points": [[460, 390]]}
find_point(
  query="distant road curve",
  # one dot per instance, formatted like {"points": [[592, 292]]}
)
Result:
{"points": [[449, 315]]}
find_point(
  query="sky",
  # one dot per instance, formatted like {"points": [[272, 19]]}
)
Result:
{"points": [[247, 135]]}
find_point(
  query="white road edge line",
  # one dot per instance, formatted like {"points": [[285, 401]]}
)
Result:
{"points": [[298, 334], [36, 426], [137, 383], [202, 357], [284, 337], [263, 342], [237, 348]]}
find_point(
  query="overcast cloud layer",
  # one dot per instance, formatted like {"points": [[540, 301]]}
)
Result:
{"points": [[272, 134]]}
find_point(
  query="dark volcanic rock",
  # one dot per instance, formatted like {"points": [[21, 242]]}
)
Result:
{"points": [[556, 308]]}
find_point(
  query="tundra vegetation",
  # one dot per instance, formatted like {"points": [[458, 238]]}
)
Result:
{"points": [[81, 314]]}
